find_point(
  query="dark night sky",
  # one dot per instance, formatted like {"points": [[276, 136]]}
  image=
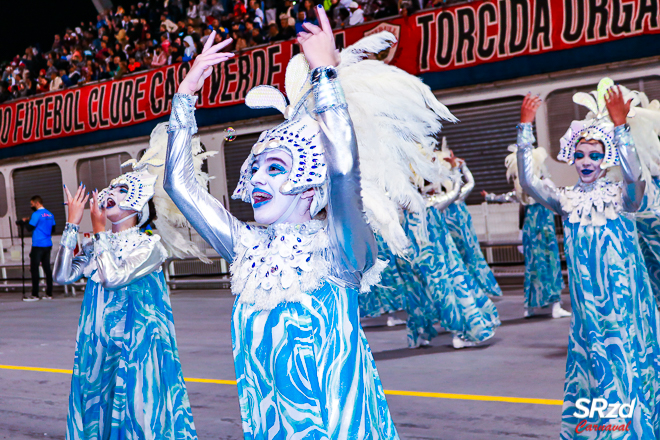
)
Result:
{"points": [[27, 22]]}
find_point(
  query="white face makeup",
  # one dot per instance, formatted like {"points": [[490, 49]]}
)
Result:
{"points": [[270, 171], [588, 157], [116, 195]]}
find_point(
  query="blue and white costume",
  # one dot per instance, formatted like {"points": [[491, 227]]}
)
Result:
{"points": [[613, 349], [303, 365], [127, 380], [465, 238], [543, 278]]}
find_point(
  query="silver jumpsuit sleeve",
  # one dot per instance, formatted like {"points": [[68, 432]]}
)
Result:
{"points": [[544, 193], [352, 241], [442, 201], [204, 212], [509, 197], [115, 273], [631, 168], [469, 183], [69, 269]]}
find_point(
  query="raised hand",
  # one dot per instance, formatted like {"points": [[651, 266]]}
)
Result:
{"points": [[203, 65], [76, 204], [616, 106], [318, 43], [528, 109], [97, 213], [484, 193]]}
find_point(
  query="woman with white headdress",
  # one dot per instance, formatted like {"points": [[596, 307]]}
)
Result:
{"points": [[459, 222], [456, 299], [303, 365], [613, 348], [127, 380], [543, 278]]}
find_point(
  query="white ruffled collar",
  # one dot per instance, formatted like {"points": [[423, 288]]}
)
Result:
{"points": [[592, 203], [280, 263]]}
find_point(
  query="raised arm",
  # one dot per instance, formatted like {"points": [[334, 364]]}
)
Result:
{"points": [[442, 201], [352, 240], [540, 190], [631, 167], [69, 269], [469, 183], [509, 197], [204, 212], [537, 188]]}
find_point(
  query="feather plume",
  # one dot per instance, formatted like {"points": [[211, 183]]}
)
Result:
{"points": [[171, 224], [396, 119]]}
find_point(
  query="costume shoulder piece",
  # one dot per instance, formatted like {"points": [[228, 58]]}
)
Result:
{"points": [[592, 204]]}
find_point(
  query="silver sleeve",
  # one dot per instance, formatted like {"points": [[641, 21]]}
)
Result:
{"points": [[115, 273], [204, 212], [442, 201], [631, 169], [502, 198], [469, 183], [538, 189], [69, 269], [352, 241]]}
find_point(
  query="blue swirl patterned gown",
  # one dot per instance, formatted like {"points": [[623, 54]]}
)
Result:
{"points": [[440, 289], [388, 295], [127, 381], [648, 227], [304, 369], [543, 279], [613, 348], [459, 222]]}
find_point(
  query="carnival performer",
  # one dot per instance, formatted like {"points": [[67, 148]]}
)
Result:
{"points": [[459, 222], [543, 278], [613, 349], [127, 380], [463, 307], [388, 296], [297, 277]]}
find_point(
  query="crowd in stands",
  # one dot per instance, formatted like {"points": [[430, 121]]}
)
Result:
{"points": [[161, 32]]}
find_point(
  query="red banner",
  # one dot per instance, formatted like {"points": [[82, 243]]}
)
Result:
{"points": [[460, 36]]}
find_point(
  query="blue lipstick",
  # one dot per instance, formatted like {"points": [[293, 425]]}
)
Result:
{"points": [[260, 198]]}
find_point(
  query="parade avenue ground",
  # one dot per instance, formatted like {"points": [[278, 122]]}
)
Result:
{"points": [[509, 389]]}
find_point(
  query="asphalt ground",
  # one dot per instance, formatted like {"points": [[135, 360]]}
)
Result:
{"points": [[510, 388]]}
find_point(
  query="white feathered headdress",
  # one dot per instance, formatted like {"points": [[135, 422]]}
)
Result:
{"points": [[171, 224], [395, 116]]}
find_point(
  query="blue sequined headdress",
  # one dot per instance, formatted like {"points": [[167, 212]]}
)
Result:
{"points": [[141, 189], [396, 119], [596, 126]]}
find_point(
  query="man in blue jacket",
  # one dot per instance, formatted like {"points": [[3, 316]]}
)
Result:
{"points": [[42, 225]]}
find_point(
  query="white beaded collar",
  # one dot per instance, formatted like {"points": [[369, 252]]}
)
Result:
{"points": [[280, 263], [592, 204]]}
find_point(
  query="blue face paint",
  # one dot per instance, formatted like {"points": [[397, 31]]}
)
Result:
{"points": [[596, 156], [579, 155], [276, 169]]}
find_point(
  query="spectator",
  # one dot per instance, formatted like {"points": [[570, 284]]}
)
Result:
{"points": [[344, 17], [259, 17], [302, 19], [160, 57], [42, 226], [357, 15], [189, 51], [287, 31], [5, 94], [133, 65]]}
